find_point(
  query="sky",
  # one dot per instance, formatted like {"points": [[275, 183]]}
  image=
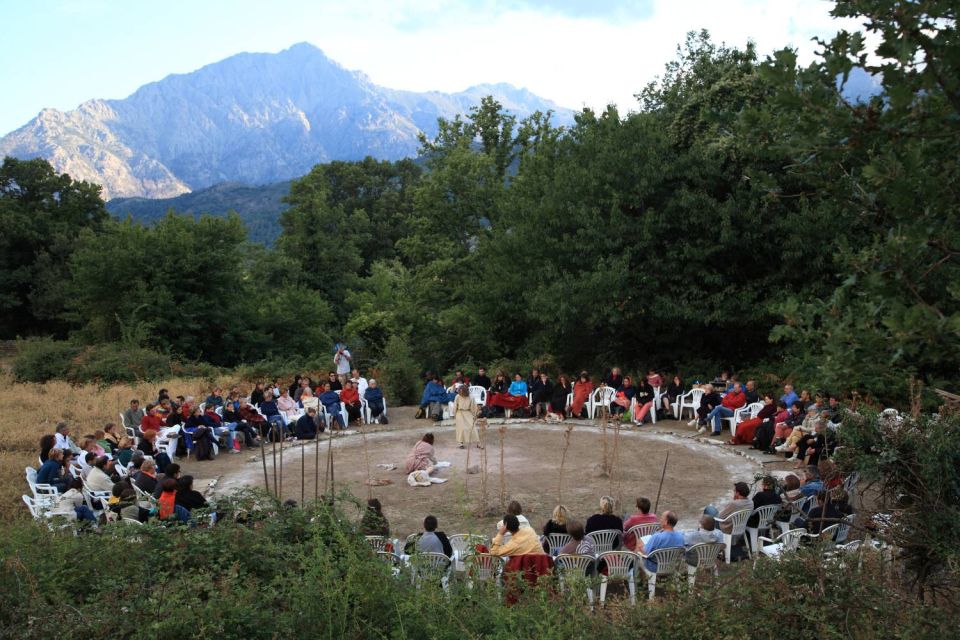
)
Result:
{"points": [[59, 53]]}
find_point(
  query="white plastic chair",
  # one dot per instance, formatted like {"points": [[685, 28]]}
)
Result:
{"points": [[484, 567], [741, 414], [668, 562], [430, 566], [785, 542], [603, 540], [464, 544], [556, 541], [479, 395], [705, 555], [690, 400], [738, 522], [600, 397], [576, 568], [377, 543], [622, 565], [646, 529], [765, 517]]}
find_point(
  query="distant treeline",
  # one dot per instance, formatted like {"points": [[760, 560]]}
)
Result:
{"points": [[746, 215]]}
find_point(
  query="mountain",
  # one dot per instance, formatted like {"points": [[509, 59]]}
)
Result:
{"points": [[253, 118], [258, 206]]}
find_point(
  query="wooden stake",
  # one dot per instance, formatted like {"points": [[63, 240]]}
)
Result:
{"points": [[303, 473], [280, 485], [316, 465], [274, 439], [660, 488], [503, 478], [263, 459], [563, 460]]}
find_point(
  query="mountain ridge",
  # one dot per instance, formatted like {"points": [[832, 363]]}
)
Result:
{"points": [[254, 118]]}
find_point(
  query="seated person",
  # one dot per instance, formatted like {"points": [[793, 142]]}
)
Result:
{"points": [[674, 390], [258, 394], [542, 390], [146, 480], [350, 398], [233, 418], [582, 389], [654, 379], [482, 379], [789, 395], [707, 532], [287, 406], [708, 402], [518, 388], [614, 379], [374, 523], [605, 519], [99, 477], [215, 399], [187, 497], [133, 416], [733, 400], [558, 397], [422, 456], [643, 516], [821, 516], [623, 398], [431, 540], [740, 501], [103, 442], [270, 409], [513, 398], [812, 447], [331, 404], [523, 540], [125, 452], [334, 381], [203, 431], [514, 509], [557, 522], [434, 397], [359, 382], [308, 425], [766, 496], [812, 485], [152, 420], [374, 397], [579, 542], [643, 401], [750, 391], [172, 471], [52, 473], [747, 430], [663, 539], [168, 509]]}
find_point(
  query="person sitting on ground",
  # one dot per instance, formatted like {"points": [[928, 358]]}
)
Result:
{"points": [[287, 406], [47, 442], [747, 430], [146, 480], [62, 438], [709, 401], [374, 397], [187, 497], [740, 501], [605, 520], [642, 516], [580, 543], [734, 399], [172, 471], [465, 412], [331, 404], [614, 379], [582, 389], [334, 382], [623, 397], [482, 379], [350, 397], [99, 477], [523, 540], [557, 522], [433, 541], [541, 390], [667, 398], [308, 425], [422, 456], [663, 539], [766, 496], [643, 401], [374, 523], [133, 416]]}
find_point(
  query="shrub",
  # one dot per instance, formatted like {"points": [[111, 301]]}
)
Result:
{"points": [[399, 372], [43, 359]]}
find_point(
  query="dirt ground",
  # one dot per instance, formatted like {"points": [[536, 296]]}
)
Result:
{"points": [[697, 473]]}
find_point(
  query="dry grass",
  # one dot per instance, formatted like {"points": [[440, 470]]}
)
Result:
{"points": [[28, 411]]}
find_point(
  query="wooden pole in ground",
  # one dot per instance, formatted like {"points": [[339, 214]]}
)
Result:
{"points": [[280, 485], [316, 465], [328, 479], [563, 460], [503, 477], [484, 496], [366, 457], [660, 488], [303, 472], [263, 459], [274, 439], [615, 468]]}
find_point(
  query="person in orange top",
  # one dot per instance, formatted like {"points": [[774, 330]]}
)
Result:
{"points": [[734, 399], [152, 421], [169, 509], [582, 389], [350, 397]]}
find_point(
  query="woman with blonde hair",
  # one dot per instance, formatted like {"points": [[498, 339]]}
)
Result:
{"points": [[557, 522], [605, 519]]}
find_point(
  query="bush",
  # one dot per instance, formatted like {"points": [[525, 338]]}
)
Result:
{"points": [[399, 373], [43, 359], [234, 581]]}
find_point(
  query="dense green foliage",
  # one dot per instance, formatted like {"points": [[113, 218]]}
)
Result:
{"points": [[750, 213], [287, 572]]}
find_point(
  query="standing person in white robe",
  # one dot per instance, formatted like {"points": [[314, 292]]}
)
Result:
{"points": [[465, 414]]}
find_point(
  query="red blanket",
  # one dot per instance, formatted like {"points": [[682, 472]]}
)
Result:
{"points": [[506, 401]]}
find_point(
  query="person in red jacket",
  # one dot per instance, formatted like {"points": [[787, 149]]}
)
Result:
{"points": [[152, 421], [350, 397], [734, 399]]}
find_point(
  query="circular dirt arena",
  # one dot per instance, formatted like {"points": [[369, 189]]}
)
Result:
{"points": [[697, 474]]}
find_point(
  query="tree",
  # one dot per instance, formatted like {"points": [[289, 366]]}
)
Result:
{"points": [[41, 215]]}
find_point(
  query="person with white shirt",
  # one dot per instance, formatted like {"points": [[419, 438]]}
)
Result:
{"points": [[359, 382], [343, 360], [63, 440]]}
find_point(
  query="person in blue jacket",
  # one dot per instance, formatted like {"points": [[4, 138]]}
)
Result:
{"points": [[374, 397], [435, 396], [331, 404]]}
